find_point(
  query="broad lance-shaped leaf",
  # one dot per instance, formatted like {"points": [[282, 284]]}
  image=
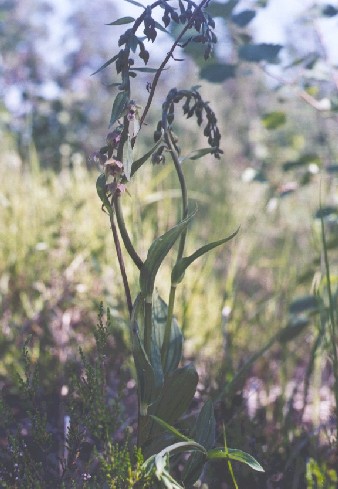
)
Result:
{"points": [[127, 158], [160, 314], [205, 434], [119, 105], [156, 254], [177, 273], [122, 21], [144, 370], [101, 192], [234, 454], [177, 393]]}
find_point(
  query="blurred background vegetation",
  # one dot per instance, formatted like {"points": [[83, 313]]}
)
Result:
{"points": [[276, 179]]}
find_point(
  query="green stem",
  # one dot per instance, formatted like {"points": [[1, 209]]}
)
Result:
{"points": [[121, 263], [184, 193], [167, 331], [124, 234], [148, 326]]}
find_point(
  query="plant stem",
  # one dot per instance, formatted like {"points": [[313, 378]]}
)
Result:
{"points": [[148, 325], [124, 234], [121, 263], [167, 331], [184, 194]]}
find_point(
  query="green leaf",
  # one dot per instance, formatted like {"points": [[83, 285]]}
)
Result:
{"points": [[135, 3], [170, 429], [161, 28], [140, 161], [196, 154], [122, 21], [120, 103], [160, 314], [101, 192], [219, 9], [272, 120], [178, 271], [127, 158], [255, 53], [177, 393], [305, 303], [218, 72], [235, 454], [205, 432], [156, 254], [107, 63], [293, 329], [243, 18], [326, 211]]}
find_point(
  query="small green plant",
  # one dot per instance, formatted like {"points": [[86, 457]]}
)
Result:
{"points": [[165, 389]]}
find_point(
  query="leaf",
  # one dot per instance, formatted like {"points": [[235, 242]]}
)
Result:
{"points": [[161, 28], [156, 254], [205, 435], [107, 63], [160, 314], [306, 303], [329, 10], [122, 21], [127, 158], [196, 154], [120, 103], [235, 454], [306, 159], [177, 393], [293, 329], [135, 3], [219, 9], [218, 72], [145, 70], [178, 271], [101, 192], [272, 120], [326, 211], [255, 53], [243, 18], [140, 161], [170, 428]]}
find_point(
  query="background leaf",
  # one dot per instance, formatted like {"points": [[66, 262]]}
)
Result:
{"points": [[243, 18], [218, 72], [255, 53]]}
